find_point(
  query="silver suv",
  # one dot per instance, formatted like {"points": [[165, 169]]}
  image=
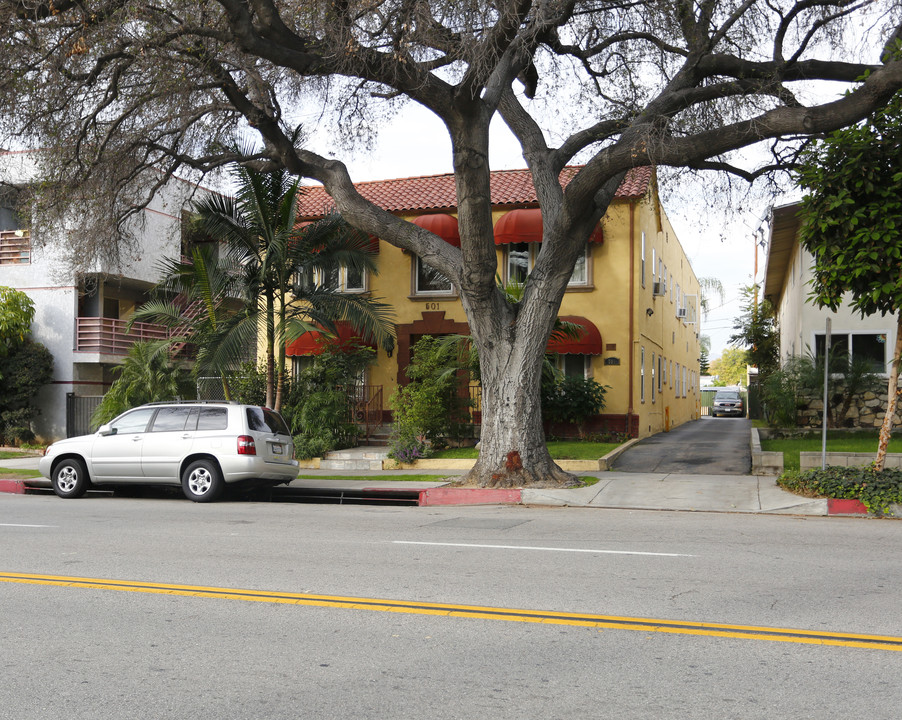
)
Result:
{"points": [[201, 446]]}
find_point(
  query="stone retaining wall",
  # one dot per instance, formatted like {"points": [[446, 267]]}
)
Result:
{"points": [[812, 460]]}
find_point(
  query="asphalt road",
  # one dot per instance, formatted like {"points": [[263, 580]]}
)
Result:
{"points": [[708, 446], [253, 610]]}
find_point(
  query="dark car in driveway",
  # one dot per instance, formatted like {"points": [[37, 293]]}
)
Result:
{"points": [[728, 402]]}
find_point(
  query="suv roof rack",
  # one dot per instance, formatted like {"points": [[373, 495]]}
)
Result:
{"points": [[193, 402]]}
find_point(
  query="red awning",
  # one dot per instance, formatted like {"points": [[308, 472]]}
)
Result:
{"points": [[442, 224], [589, 342], [315, 342], [525, 225]]}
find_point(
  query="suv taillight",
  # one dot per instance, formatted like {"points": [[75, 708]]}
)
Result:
{"points": [[246, 445]]}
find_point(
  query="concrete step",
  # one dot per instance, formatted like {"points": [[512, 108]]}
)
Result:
{"points": [[359, 458]]}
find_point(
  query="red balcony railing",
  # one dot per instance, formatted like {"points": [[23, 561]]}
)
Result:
{"points": [[108, 336], [15, 249]]}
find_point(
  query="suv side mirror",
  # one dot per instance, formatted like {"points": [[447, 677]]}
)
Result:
{"points": [[105, 429]]}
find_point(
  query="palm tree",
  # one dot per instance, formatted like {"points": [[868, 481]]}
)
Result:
{"points": [[709, 286], [146, 375], [200, 300], [265, 252]]}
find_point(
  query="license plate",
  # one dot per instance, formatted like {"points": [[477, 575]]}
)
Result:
{"points": [[277, 449]]}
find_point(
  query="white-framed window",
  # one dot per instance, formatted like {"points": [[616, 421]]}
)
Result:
{"points": [[520, 258], [299, 363], [572, 365], [653, 387], [342, 279], [580, 274], [654, 266], [662, 368], [429, 281], [353, 280], [642, 261], [642, 372], [867, 347]]}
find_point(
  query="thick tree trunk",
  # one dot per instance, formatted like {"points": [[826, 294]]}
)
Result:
{"points": [[512, 449], [511, 341], [892, 393]]}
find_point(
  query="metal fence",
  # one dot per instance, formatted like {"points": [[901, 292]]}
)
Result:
{"points": [[210, 388], [79, 409]]}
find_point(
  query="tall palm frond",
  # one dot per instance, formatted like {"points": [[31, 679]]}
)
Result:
{"points": [[259, 231]]}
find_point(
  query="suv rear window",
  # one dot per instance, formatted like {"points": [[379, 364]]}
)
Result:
{"points": [[262, 419]]}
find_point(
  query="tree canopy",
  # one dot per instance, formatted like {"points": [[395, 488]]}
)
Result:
{"points": [[852, 225], [124, 94], [757, 331], [731, 368]]}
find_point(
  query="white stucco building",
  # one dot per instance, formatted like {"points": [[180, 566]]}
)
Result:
{"points": [[787, 278], [81, 316]]}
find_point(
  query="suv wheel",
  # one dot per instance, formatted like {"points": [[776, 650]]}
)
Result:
{"points": [[202, 481], [70, 478]]}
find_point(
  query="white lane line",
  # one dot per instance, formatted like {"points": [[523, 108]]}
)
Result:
{"points": [[552, 549], [18, 525]]}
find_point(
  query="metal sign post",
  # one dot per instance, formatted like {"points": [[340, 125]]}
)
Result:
{"points": [[826, 380]]}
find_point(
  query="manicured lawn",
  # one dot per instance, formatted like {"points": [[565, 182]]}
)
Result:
{"points": [[559, 449], [586, 479], [837, 441], [13, 474], [14, 454], [380, 476]]}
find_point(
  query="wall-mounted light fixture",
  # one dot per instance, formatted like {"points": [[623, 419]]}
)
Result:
{"points": [[649, 312]]}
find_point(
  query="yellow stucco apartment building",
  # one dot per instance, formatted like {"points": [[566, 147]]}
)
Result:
{"points": [[634, 293]]}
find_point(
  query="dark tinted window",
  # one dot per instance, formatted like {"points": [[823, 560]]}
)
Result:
{"points": [[727, 396], [871, 350], [264, 420], [169, 419], [213, 418]]}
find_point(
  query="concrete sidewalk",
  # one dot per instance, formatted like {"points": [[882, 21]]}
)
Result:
{"points": [[636, 491]]}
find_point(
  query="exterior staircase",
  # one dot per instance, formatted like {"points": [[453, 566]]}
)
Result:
{"points": [[359, 458], [378, 437]]}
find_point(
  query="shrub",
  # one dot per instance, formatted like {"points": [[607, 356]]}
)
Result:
{"points": [[317, 405], [567, 399], [25, 368], [248, 384], [876, 489], [428, 409], [407, 449]]}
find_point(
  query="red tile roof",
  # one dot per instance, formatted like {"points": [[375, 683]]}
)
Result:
{"points": [[436, 193]]}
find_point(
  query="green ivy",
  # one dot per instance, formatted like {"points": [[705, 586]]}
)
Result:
{"points": [[876, 490]]}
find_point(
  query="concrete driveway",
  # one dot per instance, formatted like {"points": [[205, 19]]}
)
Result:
{"points": [[708, 446]]}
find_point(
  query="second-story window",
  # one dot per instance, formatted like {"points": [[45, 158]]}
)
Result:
{"points": [[430, 281], [342, 279], [520, 258]]}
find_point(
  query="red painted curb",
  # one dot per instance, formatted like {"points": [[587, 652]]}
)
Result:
{"points": [[16, 487], [844, 506], [469, 496]]}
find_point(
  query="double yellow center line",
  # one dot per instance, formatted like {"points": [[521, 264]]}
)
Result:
{"points": [[748, 632]]}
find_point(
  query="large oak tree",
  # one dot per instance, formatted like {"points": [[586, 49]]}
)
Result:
{"points": [[126, 93]]}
